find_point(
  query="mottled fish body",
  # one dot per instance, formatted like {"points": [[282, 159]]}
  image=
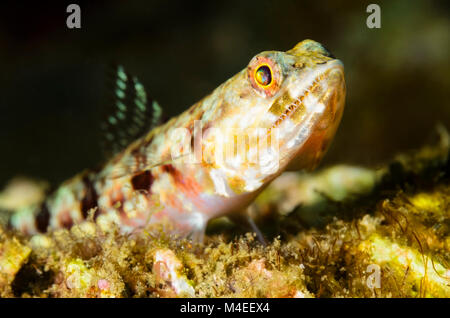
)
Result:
{"points": [[279, 113]]}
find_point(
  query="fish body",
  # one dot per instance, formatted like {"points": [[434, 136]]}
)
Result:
{"points": [[280, 112]]}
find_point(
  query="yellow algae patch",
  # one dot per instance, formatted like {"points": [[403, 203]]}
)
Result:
{"points": [[427, 277], [78, 275], [427, 202], [13, 255]]}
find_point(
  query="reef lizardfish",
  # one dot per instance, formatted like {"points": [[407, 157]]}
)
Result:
{"points": [[168, 178]]}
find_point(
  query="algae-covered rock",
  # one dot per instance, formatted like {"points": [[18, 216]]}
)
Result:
{"points": [[168, 271], [13, 255], [422, 276]]}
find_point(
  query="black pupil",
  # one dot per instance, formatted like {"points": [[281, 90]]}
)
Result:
{"points": [[263, 75]]}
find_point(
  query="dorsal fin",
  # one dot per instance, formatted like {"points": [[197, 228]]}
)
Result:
{"points": [[130, 112]]}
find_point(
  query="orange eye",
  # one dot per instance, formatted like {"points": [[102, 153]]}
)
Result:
{"points": [[263, 75]]}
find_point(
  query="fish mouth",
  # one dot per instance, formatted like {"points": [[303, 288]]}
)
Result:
{"points": [[315, 117], [331, 73]]}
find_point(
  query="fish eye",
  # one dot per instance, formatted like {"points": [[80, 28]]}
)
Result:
{"points": [[263, 75]]}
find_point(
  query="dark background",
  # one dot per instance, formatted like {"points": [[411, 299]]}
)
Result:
{"points": [[52, 79]]}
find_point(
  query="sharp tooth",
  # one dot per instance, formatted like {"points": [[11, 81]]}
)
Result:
{"points": [[306, 99]]}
